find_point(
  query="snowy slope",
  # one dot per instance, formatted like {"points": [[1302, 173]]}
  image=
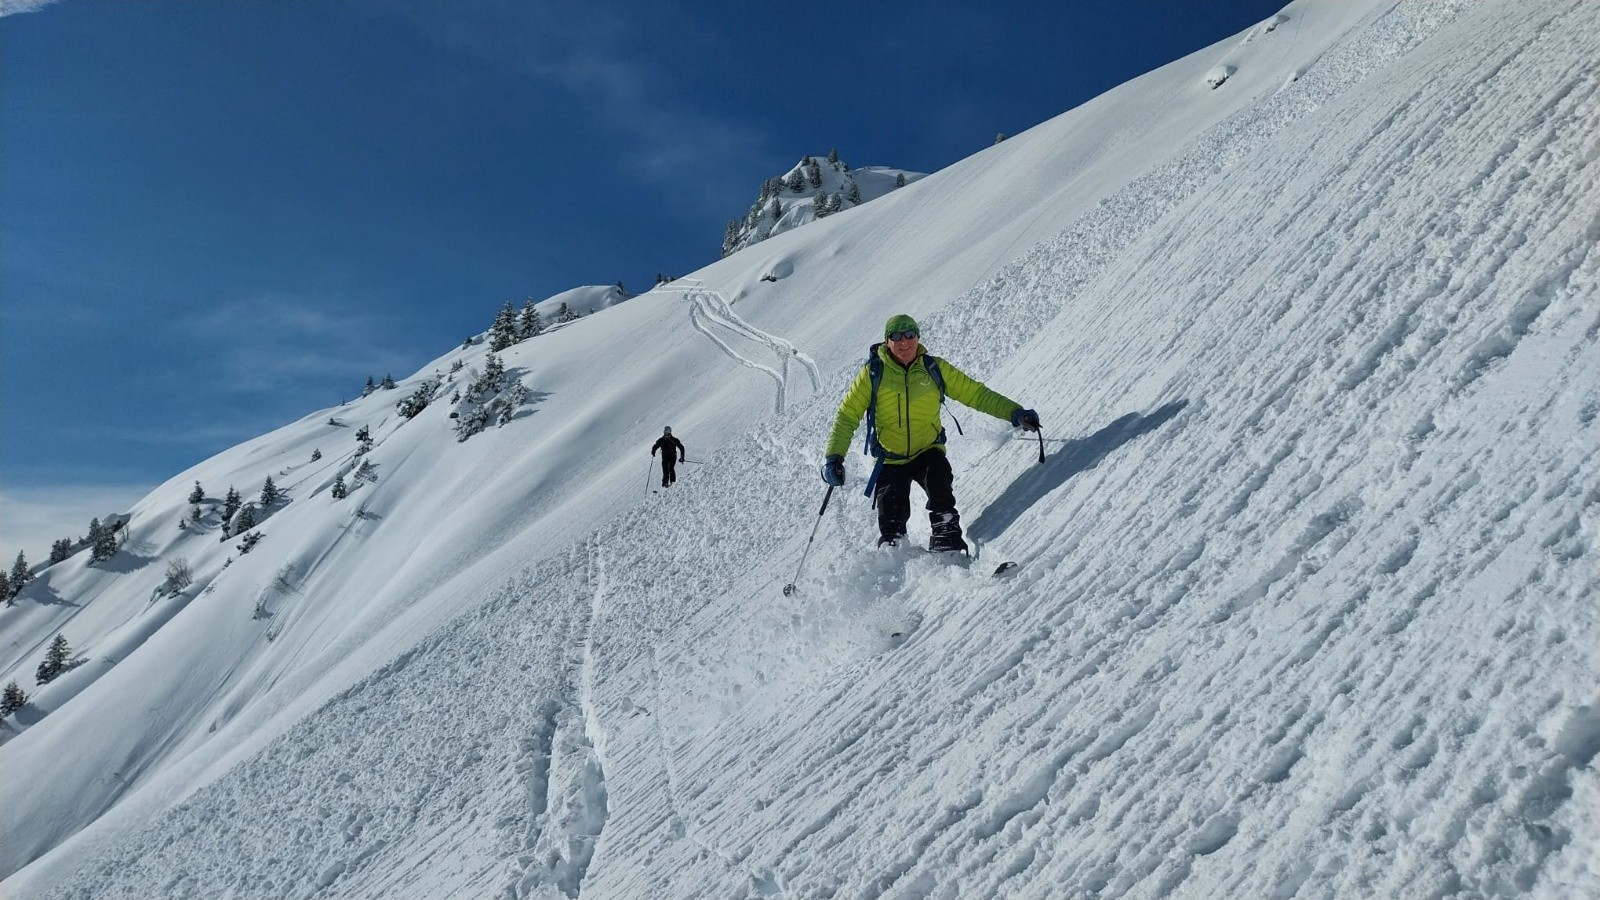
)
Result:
{"points": [[1307, 601]]}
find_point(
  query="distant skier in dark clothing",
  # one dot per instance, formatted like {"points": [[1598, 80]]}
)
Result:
{"points": [[670, 448]]}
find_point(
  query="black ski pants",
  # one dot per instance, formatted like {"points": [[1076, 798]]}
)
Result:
{"points": [[669, 469], [929, 469]]}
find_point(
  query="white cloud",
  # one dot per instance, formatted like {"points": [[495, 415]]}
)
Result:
{"points": [[33, 518], [12, 7]]}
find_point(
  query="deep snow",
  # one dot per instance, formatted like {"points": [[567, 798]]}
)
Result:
{"points": [[1307, 602]]}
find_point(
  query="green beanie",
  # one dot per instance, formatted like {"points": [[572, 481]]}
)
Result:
{"points": [[901, 322]]}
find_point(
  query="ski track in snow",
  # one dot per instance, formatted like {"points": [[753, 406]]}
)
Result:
{"points": [[708, 307], [1247, 590]]}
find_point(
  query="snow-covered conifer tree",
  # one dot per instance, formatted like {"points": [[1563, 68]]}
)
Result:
{"points": [[339, 491], [270, 494], [55, 661], [198, 494], [20, 576], [246, 519], [503, 333], [529, 324], [102, 541], [12, 699], [60, 550]]}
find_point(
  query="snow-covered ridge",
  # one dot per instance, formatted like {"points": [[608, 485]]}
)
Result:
{"points": [[1307, 601], [814, 188]]}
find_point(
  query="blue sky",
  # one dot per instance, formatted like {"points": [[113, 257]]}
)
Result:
{"points": [[216, 217]]}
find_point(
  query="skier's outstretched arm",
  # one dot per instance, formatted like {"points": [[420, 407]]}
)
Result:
{"points": [[979, 396]]}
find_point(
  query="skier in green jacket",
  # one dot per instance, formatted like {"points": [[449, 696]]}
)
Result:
{"points": [[904, 386]]}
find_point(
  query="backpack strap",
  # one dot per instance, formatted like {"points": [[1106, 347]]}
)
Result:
{"points": [[875, 375]]}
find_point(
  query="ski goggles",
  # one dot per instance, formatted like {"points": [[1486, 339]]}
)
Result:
{"points": [[906, 335]]}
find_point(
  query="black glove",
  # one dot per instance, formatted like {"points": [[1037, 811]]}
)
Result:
{"points": [[833, 471], [1027, 419]]}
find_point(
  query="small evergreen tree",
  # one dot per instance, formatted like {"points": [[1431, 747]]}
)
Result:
{"points": [[363, 436], [511, 401], [796, 181], [370, 387], [900, 180], [60, 550], [852, 192], [249, 543], [528, 324], [366, 472], [456, 366], [198, 494], [471, 422], [6, 593], [833, 157], [999, 137], [388, 383], [488, 384], [230, 504], [102, 541], [316, 455], [813, 173], [246, 519], [339, 490], [504, 331], [20, 576], [194, 514], [55, 661], [419, 399], [567, 313], [270, 494], [12, 699]]}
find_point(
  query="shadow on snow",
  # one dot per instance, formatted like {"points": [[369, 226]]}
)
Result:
{"points": [[1074, 456]]}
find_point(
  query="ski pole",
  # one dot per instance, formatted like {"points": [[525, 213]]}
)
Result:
{"points": [[1040, 433], [789, 589], [648, 468]]}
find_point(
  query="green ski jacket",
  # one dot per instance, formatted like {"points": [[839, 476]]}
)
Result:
{"points": [[908, 406]]}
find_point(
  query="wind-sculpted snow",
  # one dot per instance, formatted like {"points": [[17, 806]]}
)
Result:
{"points": [[1306, 603]]}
